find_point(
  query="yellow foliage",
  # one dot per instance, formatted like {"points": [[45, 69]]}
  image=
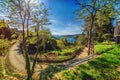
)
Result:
{"points": [[3, 24]]}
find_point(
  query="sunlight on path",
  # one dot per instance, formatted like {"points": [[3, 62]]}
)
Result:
{"points": [[83, 54], [82, 58], [16, 59]]}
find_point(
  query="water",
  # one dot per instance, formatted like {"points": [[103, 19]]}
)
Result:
{"points": [[69, 39]]}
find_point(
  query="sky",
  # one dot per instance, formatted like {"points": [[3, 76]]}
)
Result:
{"points": [[62, 17]]}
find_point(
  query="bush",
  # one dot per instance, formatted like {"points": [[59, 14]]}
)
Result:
{"points": [[82, 40], [51, 44], [4, 45], [64, 40], [60, 44], [14, 36], [6, 32], [67, 51]]}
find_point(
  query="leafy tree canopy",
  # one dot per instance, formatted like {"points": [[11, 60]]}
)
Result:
{"points": [[3, 24]]}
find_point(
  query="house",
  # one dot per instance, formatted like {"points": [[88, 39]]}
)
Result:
{"points": [[117, 32]]}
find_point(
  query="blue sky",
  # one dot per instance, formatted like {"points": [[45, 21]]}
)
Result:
{"points": [[62, 17]]}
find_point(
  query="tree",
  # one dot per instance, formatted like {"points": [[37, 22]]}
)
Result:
{"points": [[107, 37], [91, 8], [103, 23], [82, 39], [64, 40], [5, 31], [19, 10], [3, 24], [39, 17], [44, 36]]}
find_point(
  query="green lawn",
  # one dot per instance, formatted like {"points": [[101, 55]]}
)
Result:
{"points": [[104, 67], [103, 48]]}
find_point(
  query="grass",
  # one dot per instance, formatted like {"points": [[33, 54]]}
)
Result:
{"points": [[59, 55], [101, 68], [1, 68], [56, 59], [103, 48], [67, 51]]}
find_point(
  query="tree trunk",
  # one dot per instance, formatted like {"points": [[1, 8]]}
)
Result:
{"points": [[37, 32], [27, 61], [27, 27], [29, 77], [90, 37], [23, 41]]}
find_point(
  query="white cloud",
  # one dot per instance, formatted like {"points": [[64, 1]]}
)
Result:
{"points": [[36, 1], [33, 1], [53, 21], [66, 29], [71, 29]]}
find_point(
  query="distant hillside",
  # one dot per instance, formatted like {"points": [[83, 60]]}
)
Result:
{"points": [[73, 35]]}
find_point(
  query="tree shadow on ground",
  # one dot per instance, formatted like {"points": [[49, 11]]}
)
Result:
{"points": [[100, 63], [49, 72], [86, 76]]}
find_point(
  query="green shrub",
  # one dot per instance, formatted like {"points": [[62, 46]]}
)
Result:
{"points": [[60, 44], [67, 51], [14, 36], [82, 39], [4, 45]]}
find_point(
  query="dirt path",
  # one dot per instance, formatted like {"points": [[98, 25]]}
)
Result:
{"points": [[83, 54], [16, 59], [82, 58]]}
